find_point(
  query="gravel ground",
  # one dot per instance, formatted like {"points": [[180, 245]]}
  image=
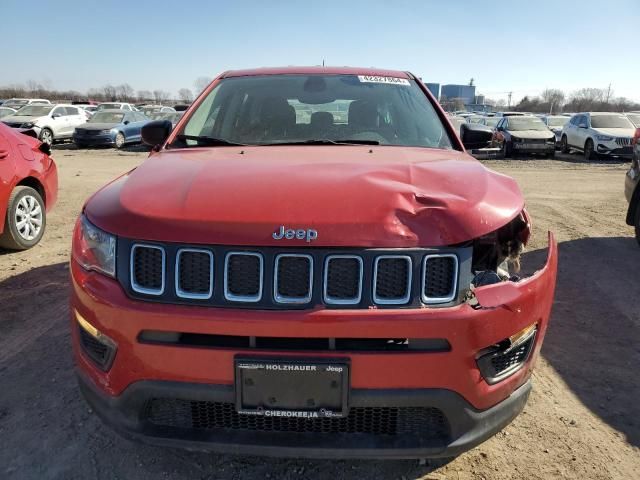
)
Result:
{"points": [[582, 419]]}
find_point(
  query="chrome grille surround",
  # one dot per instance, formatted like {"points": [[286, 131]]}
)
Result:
{"points": [[139, 288], [325, 283], [184, 294], [454, 286], [228, 295], [276, 293], [395, 301]]}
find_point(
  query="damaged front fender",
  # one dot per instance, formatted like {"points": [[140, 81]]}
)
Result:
{"points": [[507, 294]]}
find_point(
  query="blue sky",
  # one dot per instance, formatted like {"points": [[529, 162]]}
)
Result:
{"points": [[522, 46]]}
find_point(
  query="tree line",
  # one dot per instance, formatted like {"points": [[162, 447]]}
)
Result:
{"points": [[553, 100], [107, 93]]}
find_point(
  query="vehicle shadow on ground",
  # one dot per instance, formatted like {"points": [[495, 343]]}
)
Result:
{"points": [[52, 433], [593, 339], [574, 157], [135, 147]]}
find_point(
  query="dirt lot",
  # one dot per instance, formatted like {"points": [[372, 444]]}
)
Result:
{"points": [[582, 420]]}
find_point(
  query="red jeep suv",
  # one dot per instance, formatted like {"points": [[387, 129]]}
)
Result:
{"points": [[308, 264]]}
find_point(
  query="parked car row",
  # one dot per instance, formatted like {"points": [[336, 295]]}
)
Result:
{"points": [[592, 133], [109, 123]]}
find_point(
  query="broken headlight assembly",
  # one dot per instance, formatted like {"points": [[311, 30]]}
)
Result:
{"points": [[496, 256]]}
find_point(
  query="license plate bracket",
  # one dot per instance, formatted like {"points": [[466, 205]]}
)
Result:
{"points": [[302, 388]]}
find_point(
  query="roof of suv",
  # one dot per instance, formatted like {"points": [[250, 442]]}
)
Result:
{"points": [[316, 70]]}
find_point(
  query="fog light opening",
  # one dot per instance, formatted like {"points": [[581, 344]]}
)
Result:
{"points": [[97, 346], [505, 358]]}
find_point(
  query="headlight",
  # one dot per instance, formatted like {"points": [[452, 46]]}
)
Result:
{"points": [[515, 139], [93, 248], [604, 138], [28, 125], [104, 132], [551, 140]]}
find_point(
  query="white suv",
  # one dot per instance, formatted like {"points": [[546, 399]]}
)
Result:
{"points": [[50, 122], [115, 106], [598, 133]]}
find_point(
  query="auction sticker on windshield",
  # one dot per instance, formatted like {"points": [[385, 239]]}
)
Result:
{"points": [[376, 79]]}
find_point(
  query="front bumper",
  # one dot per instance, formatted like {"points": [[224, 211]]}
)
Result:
{"points": [[540, 148], [611, 148], [389, 378], [467, 427], [94, 140]]}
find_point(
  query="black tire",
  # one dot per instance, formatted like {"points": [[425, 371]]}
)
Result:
{"points": [[120, 140], [507, 150], [46, 136], [564, 144], [13, 238], [552, 155], [80, 145], [589, 154]]}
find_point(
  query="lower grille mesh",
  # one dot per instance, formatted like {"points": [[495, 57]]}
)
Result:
{"points": [[502, 363], [201, 415]]}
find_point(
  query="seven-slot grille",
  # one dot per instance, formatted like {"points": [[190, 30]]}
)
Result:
{"points": [[623, 141], [274, 279]]}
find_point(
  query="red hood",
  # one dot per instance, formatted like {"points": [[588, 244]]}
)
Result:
{"points": [[353, 196]]}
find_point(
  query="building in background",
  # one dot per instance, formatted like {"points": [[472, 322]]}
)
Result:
{"points": [[466, 93], [434, 88]]}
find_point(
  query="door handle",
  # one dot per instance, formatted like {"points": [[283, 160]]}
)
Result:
{"points": [[4, 153]]}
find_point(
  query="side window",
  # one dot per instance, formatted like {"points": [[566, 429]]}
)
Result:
{"points": [[71, 110], [59, 111], [139, 117]]}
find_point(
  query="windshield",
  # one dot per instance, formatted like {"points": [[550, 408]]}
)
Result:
{"points": [[526, 123], [610, 121], [16, 102], [107, 117], [635, 118], [491, 121], [557, 121], [109, 106], [34, 110], [281, 109]]}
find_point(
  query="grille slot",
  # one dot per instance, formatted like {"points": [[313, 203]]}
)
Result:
{"points": [[343, 279], [148, 269], [194, 273], [439, 278], [425, 422], [392, 279], [243, 276], [293, 278]]}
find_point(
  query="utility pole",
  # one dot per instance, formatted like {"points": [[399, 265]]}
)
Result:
{"points": [[608, 92], [509, 101]]}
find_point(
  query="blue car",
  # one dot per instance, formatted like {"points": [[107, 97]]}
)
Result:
{"points": [[110, 127]]}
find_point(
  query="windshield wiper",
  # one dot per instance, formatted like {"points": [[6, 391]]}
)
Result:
{"points": [[325, 141], [210, 141]]}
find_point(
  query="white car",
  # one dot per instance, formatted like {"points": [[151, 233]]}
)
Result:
{"points": [[115, 106], [599, 133], [555, 124], [50, 122], [6, 111], [17, 103]]}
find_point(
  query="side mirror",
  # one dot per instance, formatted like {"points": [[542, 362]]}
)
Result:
{"points": [[582, 125], [126, 122], [156, 132], [474, 136], [45, 148], [55, 115]]}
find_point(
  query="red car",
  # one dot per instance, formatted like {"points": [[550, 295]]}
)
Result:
{"points": [[309, 264], [28, 188]]}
